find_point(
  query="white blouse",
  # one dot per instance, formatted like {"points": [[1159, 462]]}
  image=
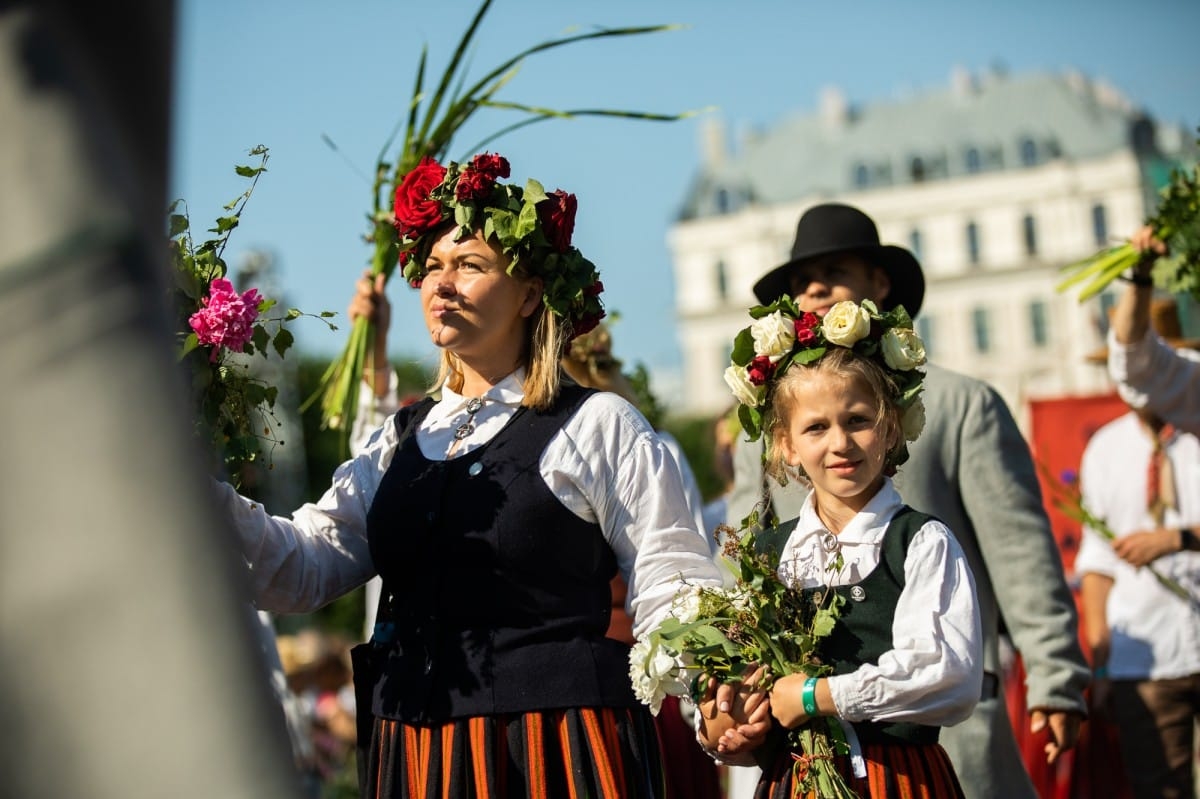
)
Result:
{"points": [[607, 465], [933, 674]]}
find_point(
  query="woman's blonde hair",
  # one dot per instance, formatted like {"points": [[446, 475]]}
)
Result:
{"points": [[844, 363]]}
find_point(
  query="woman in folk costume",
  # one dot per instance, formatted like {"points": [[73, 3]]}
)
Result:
{"points": [[496, 515], [838, 398]]}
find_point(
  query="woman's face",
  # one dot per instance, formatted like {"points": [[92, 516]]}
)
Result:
{"points": [[472, 306], [834, 436]]}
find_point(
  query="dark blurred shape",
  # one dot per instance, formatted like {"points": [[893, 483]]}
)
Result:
{"points": [[128, 656]]}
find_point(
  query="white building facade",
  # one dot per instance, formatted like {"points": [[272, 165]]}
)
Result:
{"points": [[994, 183]]}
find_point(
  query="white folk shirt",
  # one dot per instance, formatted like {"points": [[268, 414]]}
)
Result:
{"points": [[1155, 634], [1150, 373], [934, 670], [607, 465]]}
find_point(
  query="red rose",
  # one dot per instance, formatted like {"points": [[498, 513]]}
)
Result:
{"points": [[760, 370], [557, 213], [587, 323], [415, 212], [490, 164], [806, 328]]}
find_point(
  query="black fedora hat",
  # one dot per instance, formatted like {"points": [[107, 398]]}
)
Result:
{"points": [[835, 228]]}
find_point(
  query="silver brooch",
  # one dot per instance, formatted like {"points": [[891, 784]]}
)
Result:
{"points": [[829, 542]]}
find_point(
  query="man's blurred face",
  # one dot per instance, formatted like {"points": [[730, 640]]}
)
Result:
{"points": [[818, 284]]}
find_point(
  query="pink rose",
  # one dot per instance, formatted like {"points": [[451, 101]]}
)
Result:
{"points": [[226, 319], [557, 214], [415, 212]]}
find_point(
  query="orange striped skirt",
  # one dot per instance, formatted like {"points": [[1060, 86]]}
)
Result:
{"points": [[599, 753], [894, 771]]}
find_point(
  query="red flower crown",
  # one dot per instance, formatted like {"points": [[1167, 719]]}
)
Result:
{"points": [[533, 229]]}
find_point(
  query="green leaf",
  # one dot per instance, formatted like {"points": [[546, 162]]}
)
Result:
{"points": [[178, 225], [225, 224], [283, 341]]}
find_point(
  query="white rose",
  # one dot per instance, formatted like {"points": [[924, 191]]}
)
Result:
{"points": [[903, 349], [914, 420], [773, 335], [846, 323], [739, 383], [686, 605]]}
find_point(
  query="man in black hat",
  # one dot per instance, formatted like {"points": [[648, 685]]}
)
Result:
{"points": [[972, 469]]}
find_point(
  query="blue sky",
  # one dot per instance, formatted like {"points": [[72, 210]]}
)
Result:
{"points": [[285, 73]]}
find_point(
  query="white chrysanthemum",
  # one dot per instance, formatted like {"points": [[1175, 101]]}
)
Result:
{"points": [[739, 383], [654, 673], [902, 349], [914, 420], [773, 335], [846, 323]]}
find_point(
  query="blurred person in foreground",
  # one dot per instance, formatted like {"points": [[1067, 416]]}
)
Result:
{"points": [[972, 469], [1147, 370], [1141, 477], [129, 652], [496, 515]]}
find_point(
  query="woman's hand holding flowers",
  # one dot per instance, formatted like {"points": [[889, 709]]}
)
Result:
{"points": [[735, 717]]}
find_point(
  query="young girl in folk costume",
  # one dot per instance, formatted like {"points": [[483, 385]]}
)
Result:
{"points": [[496, 515], [837, 399]]}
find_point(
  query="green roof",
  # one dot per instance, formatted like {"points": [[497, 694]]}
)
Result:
{"points": [[1009, 123]]}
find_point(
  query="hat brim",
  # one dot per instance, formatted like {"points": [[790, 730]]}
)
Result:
{"points": [[907, 279]]}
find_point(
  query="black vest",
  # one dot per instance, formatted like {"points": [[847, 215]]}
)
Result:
{"points": [[864, 628], [495, 596]]}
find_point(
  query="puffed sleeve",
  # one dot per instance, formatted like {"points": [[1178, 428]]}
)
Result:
{"points": [[610, 465], [934, 671], [304, 562]]}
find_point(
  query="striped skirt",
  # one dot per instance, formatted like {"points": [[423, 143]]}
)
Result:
{"points": [[919, 771], [597, 753]]}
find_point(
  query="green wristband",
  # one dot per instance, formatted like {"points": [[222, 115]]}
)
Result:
{"points": [[808, 696]]}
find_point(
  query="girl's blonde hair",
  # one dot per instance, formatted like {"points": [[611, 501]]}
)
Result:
{"points": [[844, 363]]}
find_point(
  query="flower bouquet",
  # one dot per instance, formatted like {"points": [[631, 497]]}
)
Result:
{"points": [[1176, 223], [760, 620], [216, 325], [432, 121]]}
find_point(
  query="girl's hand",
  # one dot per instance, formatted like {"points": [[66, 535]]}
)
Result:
{"points": [[786, 704]]}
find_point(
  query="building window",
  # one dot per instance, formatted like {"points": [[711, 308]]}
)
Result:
{"points": [[722, 201], [925, 328], [1107, 300], [1038, 321], [1029, 153], [862, 176], [916, 169], [722, 280], [1099, 225], [972, 243], [982, 329], [974, 161], [914, 242], [1029, 232]]}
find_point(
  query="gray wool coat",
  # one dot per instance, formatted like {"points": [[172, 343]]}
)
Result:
{"points": [[973, 470]]}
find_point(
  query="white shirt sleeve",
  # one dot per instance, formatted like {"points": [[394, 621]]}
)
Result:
{"points": [[608, 465], [1149, 373], [934, 671], [302, 563]]}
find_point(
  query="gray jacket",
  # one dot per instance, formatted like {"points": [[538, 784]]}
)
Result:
{"points": [[973, 470]]}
